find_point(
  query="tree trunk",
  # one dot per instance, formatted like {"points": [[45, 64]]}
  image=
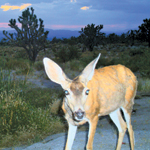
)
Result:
{"points": [[90, 48]]}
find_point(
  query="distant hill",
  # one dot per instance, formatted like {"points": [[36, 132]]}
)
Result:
{"points": [[52, 33], [62, 33]]}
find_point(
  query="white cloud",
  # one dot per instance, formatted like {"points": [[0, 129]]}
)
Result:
{"points": [[85, 8], [7, 6]]}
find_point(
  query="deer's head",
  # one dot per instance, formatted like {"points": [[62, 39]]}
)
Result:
{"points": [[76, 90]]}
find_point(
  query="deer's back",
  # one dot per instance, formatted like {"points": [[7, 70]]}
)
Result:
{"points": [[110, 88]]}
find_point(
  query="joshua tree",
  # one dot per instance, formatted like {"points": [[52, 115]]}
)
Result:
{"points": [[31, 36], [144, 31], [90, 35], [113, 38], [131, 36]]}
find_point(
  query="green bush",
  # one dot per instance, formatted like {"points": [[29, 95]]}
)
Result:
{"points": [[135, 58], [72, 65], [144, 85], [2, 62], [139, 61], [22, 66], [64, 53], [39, 65], [14, 112], [144, 63], [86, 58], [104, 61], [25, 111], [76, 65], [20, 53], [17, 63], [136, 51], [8, 82], [13, 52], [42, 97]]}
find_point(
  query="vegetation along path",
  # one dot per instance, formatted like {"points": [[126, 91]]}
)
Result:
{"points": [[105, 137]]}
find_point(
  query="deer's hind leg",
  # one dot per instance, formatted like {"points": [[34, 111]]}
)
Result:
{"points": [[121, 125], [127, 116]]}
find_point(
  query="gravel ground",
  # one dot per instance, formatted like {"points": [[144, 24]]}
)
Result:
{"points": [[106, 133]]}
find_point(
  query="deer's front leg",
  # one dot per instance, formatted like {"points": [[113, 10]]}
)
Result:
{"points": [[71, 135], [92, 128]]}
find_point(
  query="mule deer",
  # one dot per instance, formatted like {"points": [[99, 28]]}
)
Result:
{"points": [[94, 93]]}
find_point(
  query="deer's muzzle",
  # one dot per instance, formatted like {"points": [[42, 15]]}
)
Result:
{"points": [[79, 114]]}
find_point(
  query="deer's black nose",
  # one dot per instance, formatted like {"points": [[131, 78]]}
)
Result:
{"points": [[79, 114]]}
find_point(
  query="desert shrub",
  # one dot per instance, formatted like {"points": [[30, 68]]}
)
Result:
{"points": [[144, 63], [64, 53], [104, 61], [13, 110], [27, 111], [39, 65], [8, 82], [144, 85], [42, 98], [21, 66], [135, 58], [20, 53], [13, 52], [17, 63], [87, 57], [72, 65], [15, 113], [2, 62], [139, 61], [134, 51], [76, 65]]}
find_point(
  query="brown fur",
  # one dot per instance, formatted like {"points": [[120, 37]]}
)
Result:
{"points": [[76, 87]]}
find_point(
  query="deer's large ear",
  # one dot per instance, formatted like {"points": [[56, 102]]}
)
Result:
{"points": [[55, 73], [88, 72]]}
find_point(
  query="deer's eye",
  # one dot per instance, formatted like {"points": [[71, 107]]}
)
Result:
{"points": [[66, 92], [87, 92]]}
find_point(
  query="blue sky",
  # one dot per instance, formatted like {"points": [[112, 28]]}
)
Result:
{"points": [[115, 15]]}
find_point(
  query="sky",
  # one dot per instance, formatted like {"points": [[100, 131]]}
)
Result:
{"points": [[114, 15]]}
